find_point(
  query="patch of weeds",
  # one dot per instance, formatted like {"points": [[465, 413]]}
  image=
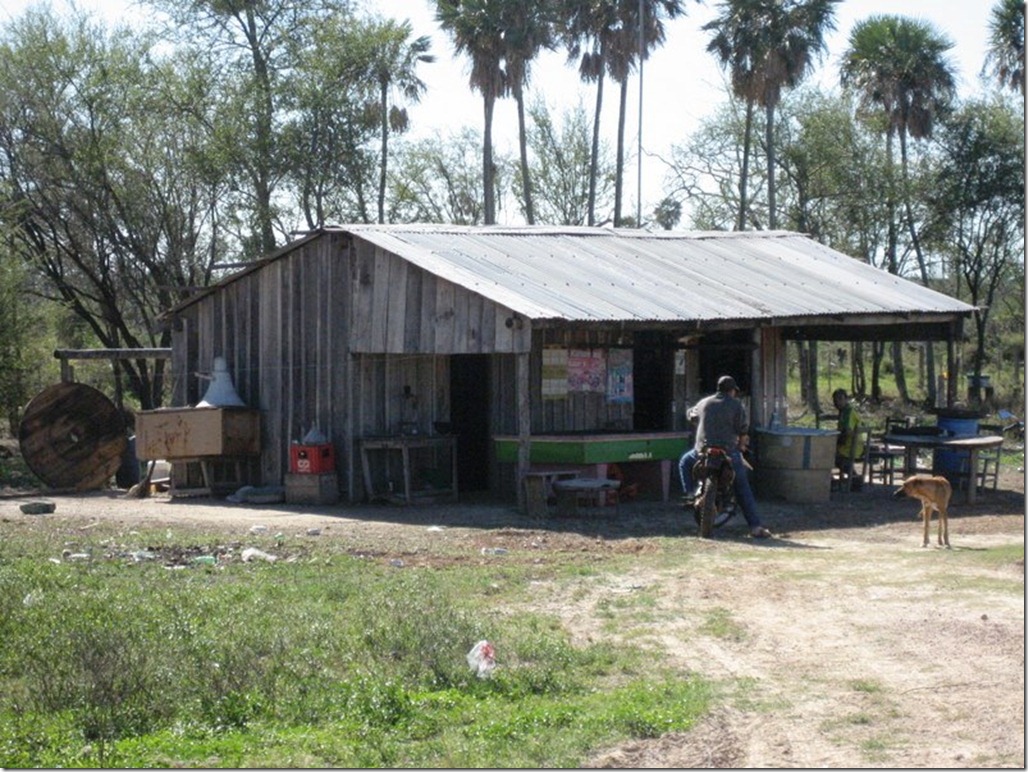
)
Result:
{"points": [[875, 749], [866, 686], [720, 624], [635, 605]]}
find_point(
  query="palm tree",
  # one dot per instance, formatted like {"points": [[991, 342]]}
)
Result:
{"points": [[394, 65], [527, 29], [898, 68], [582, 30], [767, 46], [604, 36], [476, 27], [1006, 44]]}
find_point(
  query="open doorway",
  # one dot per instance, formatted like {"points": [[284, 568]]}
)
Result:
{"points": [[653, 360], [469, 416]]}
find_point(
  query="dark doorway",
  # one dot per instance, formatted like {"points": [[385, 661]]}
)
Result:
{"points": [[653, 362], [726, 353], [469, 415]]}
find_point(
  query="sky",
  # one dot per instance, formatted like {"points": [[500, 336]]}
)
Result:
{"points": [[681, 83]]}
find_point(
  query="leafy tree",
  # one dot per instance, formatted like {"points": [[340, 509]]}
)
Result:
{"points": [[562, 164], [897, 67], [978, 202], [110, 190], [705, 169], [668, 213], [333, 98], [1005, 56], [768, 45], [254, 42], [435, 180]]}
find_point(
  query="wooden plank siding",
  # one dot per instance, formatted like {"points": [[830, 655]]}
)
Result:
{"points": [[330, 334], [399, 310]]}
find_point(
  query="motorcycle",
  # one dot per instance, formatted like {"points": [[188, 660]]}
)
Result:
{"points": [[715, 503]]}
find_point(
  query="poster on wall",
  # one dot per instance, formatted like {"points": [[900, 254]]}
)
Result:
{"points": [[587, 370], [619, 376], [555, 373]]}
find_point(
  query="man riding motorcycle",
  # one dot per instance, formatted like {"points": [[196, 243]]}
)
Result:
{"points": [[721, 422]]}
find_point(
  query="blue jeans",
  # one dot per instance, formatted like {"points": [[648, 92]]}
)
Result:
{"points": [[743, 492]]}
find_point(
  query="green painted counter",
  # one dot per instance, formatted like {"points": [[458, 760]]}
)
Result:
{"points": [[599, 450], [596, 448]]}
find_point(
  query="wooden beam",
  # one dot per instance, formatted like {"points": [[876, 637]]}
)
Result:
{"points": [[65, 354]]}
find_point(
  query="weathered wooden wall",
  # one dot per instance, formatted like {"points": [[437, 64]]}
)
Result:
{"points": [[400, 309], [330, 332]]}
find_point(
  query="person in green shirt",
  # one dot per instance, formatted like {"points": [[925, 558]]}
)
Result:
{"points": [[849, 444]]}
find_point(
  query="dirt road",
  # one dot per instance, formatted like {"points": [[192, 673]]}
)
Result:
{"points": [[839, 643]]}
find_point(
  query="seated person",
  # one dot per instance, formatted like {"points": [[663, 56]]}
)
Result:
{"points": [[722, 421], [849, 427]]}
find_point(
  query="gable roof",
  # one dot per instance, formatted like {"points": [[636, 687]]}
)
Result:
{"points": [[603, 275], [589, 274]]}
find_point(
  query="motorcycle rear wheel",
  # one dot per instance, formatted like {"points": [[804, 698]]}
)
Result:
{"points": [[707, 507]]}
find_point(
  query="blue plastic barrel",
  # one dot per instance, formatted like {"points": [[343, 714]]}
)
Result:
{"points": [[954, 462]]}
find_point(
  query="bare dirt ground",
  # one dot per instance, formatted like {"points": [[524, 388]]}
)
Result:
{"points": [[839, 643]]}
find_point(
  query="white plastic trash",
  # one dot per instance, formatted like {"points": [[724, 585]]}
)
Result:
{"points": [[481, 659]]}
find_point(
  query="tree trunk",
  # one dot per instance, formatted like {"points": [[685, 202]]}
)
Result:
{"points": [[898, 371], [594, 156], [922, 266], [619, 169], [877, 355], [769, 137], [384, 103], [526, 180], [488, 169], [744, 176]]}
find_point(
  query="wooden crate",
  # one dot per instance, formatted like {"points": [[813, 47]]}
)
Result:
{"points": [[196, 432], [312, 488]]}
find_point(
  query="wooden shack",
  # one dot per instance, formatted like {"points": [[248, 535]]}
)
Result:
{"points": [[456, 346]]}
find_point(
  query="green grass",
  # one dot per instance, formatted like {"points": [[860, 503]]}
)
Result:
{"points": [[323, 660]]}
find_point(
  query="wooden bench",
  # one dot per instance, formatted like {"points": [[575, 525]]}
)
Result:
{"points": [[591, 489]]}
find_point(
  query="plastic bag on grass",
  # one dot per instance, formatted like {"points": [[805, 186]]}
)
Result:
{"points": [[481, 659]]}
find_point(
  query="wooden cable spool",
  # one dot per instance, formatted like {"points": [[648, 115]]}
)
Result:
{"points": [[72, 437]]}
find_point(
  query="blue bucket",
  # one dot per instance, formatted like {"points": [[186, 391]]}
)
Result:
{"points": [[953, 462]]}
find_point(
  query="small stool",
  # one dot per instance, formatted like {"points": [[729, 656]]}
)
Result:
{"points": [[593, 489], [538, 487]]}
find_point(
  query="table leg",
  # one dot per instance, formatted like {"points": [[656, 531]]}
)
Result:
{"points": [[601, 474], [366, 467], [665, 479], [453, 465], [405, 452], [972, 480]]}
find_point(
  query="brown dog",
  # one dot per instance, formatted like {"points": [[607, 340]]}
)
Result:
{"points": [[933, 493]]}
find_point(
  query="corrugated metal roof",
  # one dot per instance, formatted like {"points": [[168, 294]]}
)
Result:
{"points": [[604, 275]]}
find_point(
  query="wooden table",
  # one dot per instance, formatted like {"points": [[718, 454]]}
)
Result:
{"points": [[911, 444], [404, 444]]}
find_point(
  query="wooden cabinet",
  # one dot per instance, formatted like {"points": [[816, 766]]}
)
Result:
{"points": [[197, 432]]}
